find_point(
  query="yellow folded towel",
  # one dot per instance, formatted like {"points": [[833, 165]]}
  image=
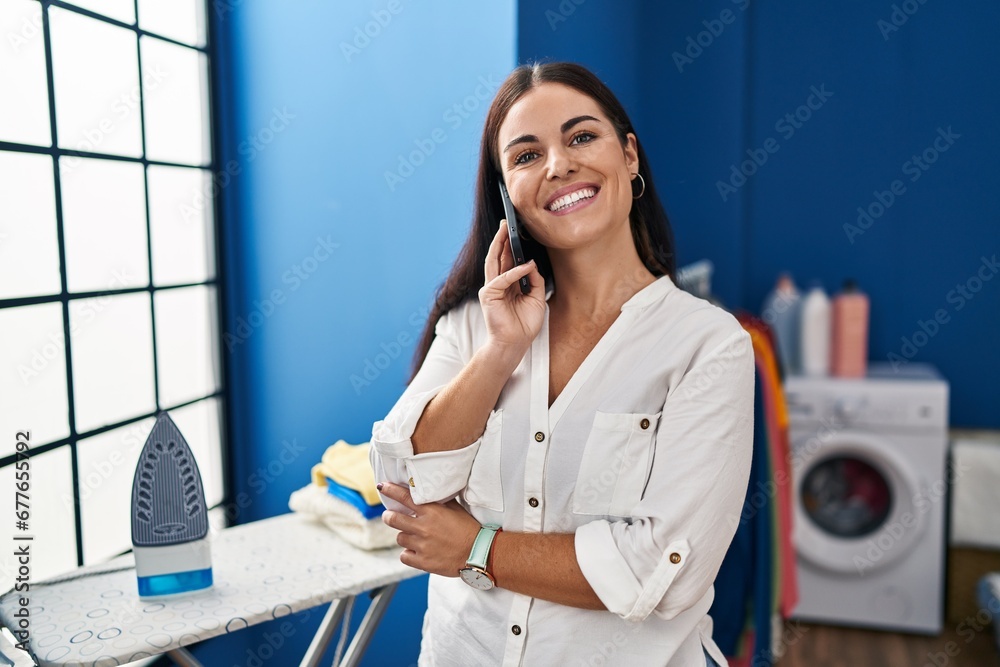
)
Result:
{"points": [[348, 465]]}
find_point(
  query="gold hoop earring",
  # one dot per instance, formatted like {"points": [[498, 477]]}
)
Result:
{"points": [[643, 191]]}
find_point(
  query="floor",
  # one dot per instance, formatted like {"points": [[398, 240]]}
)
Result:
{"points": [[826, 646]]}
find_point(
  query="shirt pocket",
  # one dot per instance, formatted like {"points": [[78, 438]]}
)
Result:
{"points": [[615, 464], [485, 488]]}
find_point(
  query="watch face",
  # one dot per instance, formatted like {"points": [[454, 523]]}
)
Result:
{"points": [[476, 578]]}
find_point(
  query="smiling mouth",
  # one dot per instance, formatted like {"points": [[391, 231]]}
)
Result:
{"points": [[567, 201]]}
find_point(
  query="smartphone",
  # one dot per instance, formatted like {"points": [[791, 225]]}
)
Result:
{"points": [[515, 237]]}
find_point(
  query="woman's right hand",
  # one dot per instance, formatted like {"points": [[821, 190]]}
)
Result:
{"points": [[512, 319]]}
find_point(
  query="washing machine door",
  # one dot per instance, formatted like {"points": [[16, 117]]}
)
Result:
{"points": [[855, 503]]}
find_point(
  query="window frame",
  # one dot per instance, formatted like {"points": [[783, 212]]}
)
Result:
{"points": [[212, 120]]}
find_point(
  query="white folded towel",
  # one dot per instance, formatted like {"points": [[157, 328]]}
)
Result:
{"points": [[975, 507], [342, 518]]}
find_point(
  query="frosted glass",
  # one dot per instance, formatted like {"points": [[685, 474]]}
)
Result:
{"points": [[53, 549], [106, 467], [186, 340], [112, 359], [22, 74], [200, 425], [29, 248], [96, 73], [122, 10], [177, 109], [182, 225], [104, 223], [32, 375], [183, 20]]}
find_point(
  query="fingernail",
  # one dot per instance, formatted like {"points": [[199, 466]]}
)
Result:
{"points": [[379, 486]]}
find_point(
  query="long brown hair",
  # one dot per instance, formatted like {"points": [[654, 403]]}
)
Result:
{"points": [[654, 240]]}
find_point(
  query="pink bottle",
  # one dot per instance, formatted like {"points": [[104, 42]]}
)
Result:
{"points": [[849, 345]]}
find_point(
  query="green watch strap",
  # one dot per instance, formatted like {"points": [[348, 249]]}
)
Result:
{"points": [[481, 547]]}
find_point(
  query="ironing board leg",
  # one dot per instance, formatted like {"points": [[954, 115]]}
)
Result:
{"points": [[376, 610], [325, 631], [183, 657]]}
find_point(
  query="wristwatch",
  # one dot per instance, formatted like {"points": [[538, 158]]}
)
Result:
{"points": [[474, 573]]}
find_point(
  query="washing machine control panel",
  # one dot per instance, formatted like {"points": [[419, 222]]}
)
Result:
{"points": [[901, 404]]}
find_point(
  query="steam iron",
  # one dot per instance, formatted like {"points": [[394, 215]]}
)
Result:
{"points": [[169, 516]]}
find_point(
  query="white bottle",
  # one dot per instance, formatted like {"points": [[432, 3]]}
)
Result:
{"points": [[782, 312], [815, 347]]}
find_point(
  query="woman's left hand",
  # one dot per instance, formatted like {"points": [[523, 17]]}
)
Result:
{"points": [[437, 538]]}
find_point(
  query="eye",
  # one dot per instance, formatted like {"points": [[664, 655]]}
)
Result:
{"points": [[523, 158], [585, 138]]}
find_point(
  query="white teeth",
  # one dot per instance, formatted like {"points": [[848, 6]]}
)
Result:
{"points": [[572, 198]]}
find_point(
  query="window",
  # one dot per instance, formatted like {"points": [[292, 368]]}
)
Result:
{"points": [[109, 308]]}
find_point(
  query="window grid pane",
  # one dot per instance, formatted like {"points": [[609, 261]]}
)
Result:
{"points": [[96, 77], [29, 247], [22, 74]]}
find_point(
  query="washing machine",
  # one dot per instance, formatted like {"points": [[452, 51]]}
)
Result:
{"points": [[870, 475]]}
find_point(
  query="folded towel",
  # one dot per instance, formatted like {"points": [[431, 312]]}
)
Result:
{"points": [[354, 498], [975, 497], [342, 518], [348, 465]]}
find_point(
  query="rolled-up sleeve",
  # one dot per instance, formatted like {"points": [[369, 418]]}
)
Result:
{"points": [[433, 476], [667, 557]]}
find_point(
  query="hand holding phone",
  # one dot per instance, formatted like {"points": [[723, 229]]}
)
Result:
{"points": [[514, 235]]}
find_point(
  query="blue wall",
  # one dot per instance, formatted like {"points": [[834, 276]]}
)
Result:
{"points": [[893, 89], [356, 156], [708, 81]]}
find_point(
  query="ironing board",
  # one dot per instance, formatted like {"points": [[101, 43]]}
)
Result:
{"points": [[262, 571]]}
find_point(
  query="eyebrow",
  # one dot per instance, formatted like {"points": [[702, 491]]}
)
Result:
{"points": [[528, 138]]}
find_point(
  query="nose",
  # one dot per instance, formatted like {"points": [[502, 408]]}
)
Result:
{"points": [[560, 163]]}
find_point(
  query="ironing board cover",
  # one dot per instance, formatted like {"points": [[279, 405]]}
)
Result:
{"points": [[262, 571]]}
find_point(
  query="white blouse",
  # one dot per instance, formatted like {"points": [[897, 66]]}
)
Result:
{"points": [[645, 456]]}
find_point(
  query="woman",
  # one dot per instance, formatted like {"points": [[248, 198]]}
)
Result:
{"points": [[602, 422]]}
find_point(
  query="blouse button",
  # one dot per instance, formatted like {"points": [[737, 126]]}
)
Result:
{"points": [[539, 436], [533, 502], [516, 629], [644, 424], [675, 558], [410, 481]]}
